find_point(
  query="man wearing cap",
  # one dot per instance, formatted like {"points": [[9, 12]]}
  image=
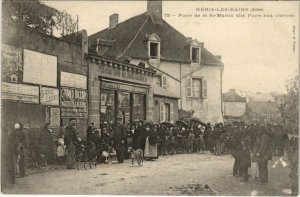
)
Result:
{"points": [[120, 136], [89, 132], [9, 156], [71, 141]]}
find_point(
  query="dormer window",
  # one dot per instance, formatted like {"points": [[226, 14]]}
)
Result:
{"points": [[195, 51], [153, 46], [154, 50], [195, 54]]}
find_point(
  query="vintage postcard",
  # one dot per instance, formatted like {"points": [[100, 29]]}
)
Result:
{"points": [[190, 98]]}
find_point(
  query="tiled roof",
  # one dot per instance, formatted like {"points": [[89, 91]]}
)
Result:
{"points": [[159, 91], [129, 38], [232, 96]]}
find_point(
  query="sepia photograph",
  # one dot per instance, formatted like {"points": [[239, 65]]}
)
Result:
{"points": [[161, 97]]}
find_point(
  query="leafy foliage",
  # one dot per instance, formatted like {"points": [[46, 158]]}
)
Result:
{"points": [[289, 107], [34, 14]]}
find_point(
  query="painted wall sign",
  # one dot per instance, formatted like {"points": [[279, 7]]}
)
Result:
{"points": [[73, 80], [54, 117], [40, 68], [49, 96], [11, 63], [20, 92], [73, 103], [117, 86]]}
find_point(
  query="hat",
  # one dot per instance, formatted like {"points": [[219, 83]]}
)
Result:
{"points": [[17, 126]]}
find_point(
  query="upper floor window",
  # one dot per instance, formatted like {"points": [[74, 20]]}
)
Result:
{"points": [[157, 80], [195, 53], [153, 46], [154, 50], [161, 80], [196, 87]]}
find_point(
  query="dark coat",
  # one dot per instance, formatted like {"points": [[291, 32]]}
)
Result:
{"points": [[245, 157], [152, 134], [120, 133], [70, 136], [139, 138]]}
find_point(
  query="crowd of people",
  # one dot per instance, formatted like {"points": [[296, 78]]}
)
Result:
{"points": [[248, 143]]}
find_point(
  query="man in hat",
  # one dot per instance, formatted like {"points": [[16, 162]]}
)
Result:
{"points": [[9, 156], [120, 136], [71, 141], [90, 130]]}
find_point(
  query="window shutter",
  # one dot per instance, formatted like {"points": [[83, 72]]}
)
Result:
{"points": [[161, 109], [189, 87], [204, 89], [171, 113], [164, 82]]}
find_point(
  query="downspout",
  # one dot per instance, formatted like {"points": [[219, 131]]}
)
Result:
{"points": [[221, 83], [180, 86]]}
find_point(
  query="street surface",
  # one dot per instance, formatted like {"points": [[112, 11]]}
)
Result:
{"points": [[153, 178]]}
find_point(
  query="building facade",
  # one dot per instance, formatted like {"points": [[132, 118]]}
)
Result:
{"points": [[183, 65], [118, 90], [234, 106], [44, 80]]}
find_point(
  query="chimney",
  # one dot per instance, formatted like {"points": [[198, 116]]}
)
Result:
{"points": [[219, 57], [202, 44], [113, 20], [154, 8]]}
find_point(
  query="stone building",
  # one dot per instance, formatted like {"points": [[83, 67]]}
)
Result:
{"points": [[234, 106], [44, 80], [190, 75], [118, 90]]}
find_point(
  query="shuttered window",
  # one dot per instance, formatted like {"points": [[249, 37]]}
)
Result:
{"points": [[161, 114], [164, 82], [189, 87], [204, 88], [196, 88], [171, 113]]}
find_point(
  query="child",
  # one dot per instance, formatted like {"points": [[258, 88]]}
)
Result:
{"points": [[60, 151]]}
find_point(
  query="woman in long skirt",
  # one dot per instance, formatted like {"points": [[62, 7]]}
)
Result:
{"points": [[150, 152]]}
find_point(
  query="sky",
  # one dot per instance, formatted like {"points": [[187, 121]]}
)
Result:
{"points": [[257, 52]]}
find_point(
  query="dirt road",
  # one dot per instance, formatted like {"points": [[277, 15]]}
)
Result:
{"points": [[153, 178]]}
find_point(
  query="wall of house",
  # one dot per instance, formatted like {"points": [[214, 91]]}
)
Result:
{"points": [[234, 109], [207, 109]]}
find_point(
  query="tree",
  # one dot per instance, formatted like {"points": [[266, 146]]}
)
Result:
{"points": [[289, 107], [36, 15]]}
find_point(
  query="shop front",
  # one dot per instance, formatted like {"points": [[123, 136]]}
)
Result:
{"points": [[122, 101], [119, 91]]}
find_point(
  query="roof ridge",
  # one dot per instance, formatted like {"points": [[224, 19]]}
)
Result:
{"points": [[135, 36], [144, 13]]}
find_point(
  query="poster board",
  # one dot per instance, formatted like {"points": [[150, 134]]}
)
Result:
{"points": [[39, 68]]}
